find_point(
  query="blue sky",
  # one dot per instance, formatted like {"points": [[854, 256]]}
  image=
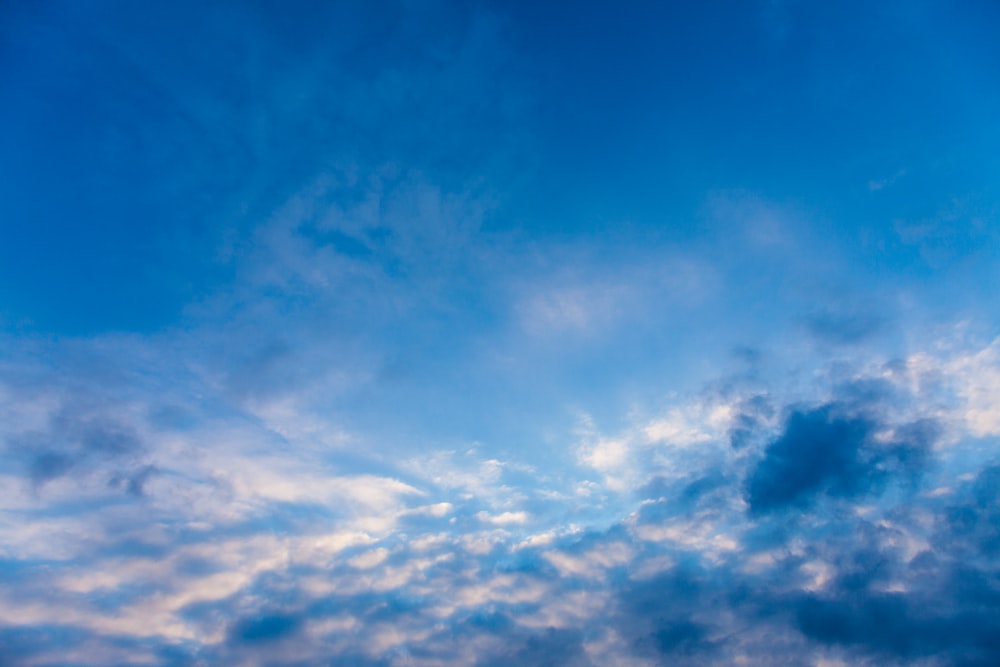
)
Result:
{"points": [[425, 333]]}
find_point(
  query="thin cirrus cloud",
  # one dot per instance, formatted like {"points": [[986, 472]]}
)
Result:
{"points": [[396, 335]]}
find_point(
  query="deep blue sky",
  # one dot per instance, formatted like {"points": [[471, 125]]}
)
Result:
{"points": [[416, 333]]}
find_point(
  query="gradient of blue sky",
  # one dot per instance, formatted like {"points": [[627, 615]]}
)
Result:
{"points": [[423, 333]]}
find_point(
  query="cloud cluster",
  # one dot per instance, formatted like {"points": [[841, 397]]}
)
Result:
{"points": [[848, 531]]}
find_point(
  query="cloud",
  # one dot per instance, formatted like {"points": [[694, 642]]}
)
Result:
{"points": [[973, 527], [589, 564], [976, 379], [823, 452], [683, 436], [554, 646], [262, 540], [504, 518], [264, 628], [75, 437]]}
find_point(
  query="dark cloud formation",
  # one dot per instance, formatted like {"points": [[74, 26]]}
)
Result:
{"points": [[265, 628], [877, 605], [973, 527], [817, 453], [825, 452], [668, 617], [884, 605], [892, 626], [942, 604]]}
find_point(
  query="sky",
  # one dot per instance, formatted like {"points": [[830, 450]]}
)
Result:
{"points": [[422, 333]]}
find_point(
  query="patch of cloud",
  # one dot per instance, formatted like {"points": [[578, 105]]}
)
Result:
{"points": [[554, 646], [689, 425], [955, 384], [592, 563], [685, 436], [612, 458], [504, 518], [977, 381], [823, 453], [369, 559], [701, 534]]}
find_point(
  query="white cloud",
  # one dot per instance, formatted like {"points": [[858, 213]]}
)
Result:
{"points": [[504, 588], [703, 533], [976, 376], [591, 564], [694, 423], [684, 437], [504, 518], [369, 559], [607, 454], [957, 385]]}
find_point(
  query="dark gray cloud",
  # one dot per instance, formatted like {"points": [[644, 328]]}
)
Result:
{"points": [[902, 627], [265, 628], [666, 617], [973, 527], [829, 452], [885, 606], [817, 453]]}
